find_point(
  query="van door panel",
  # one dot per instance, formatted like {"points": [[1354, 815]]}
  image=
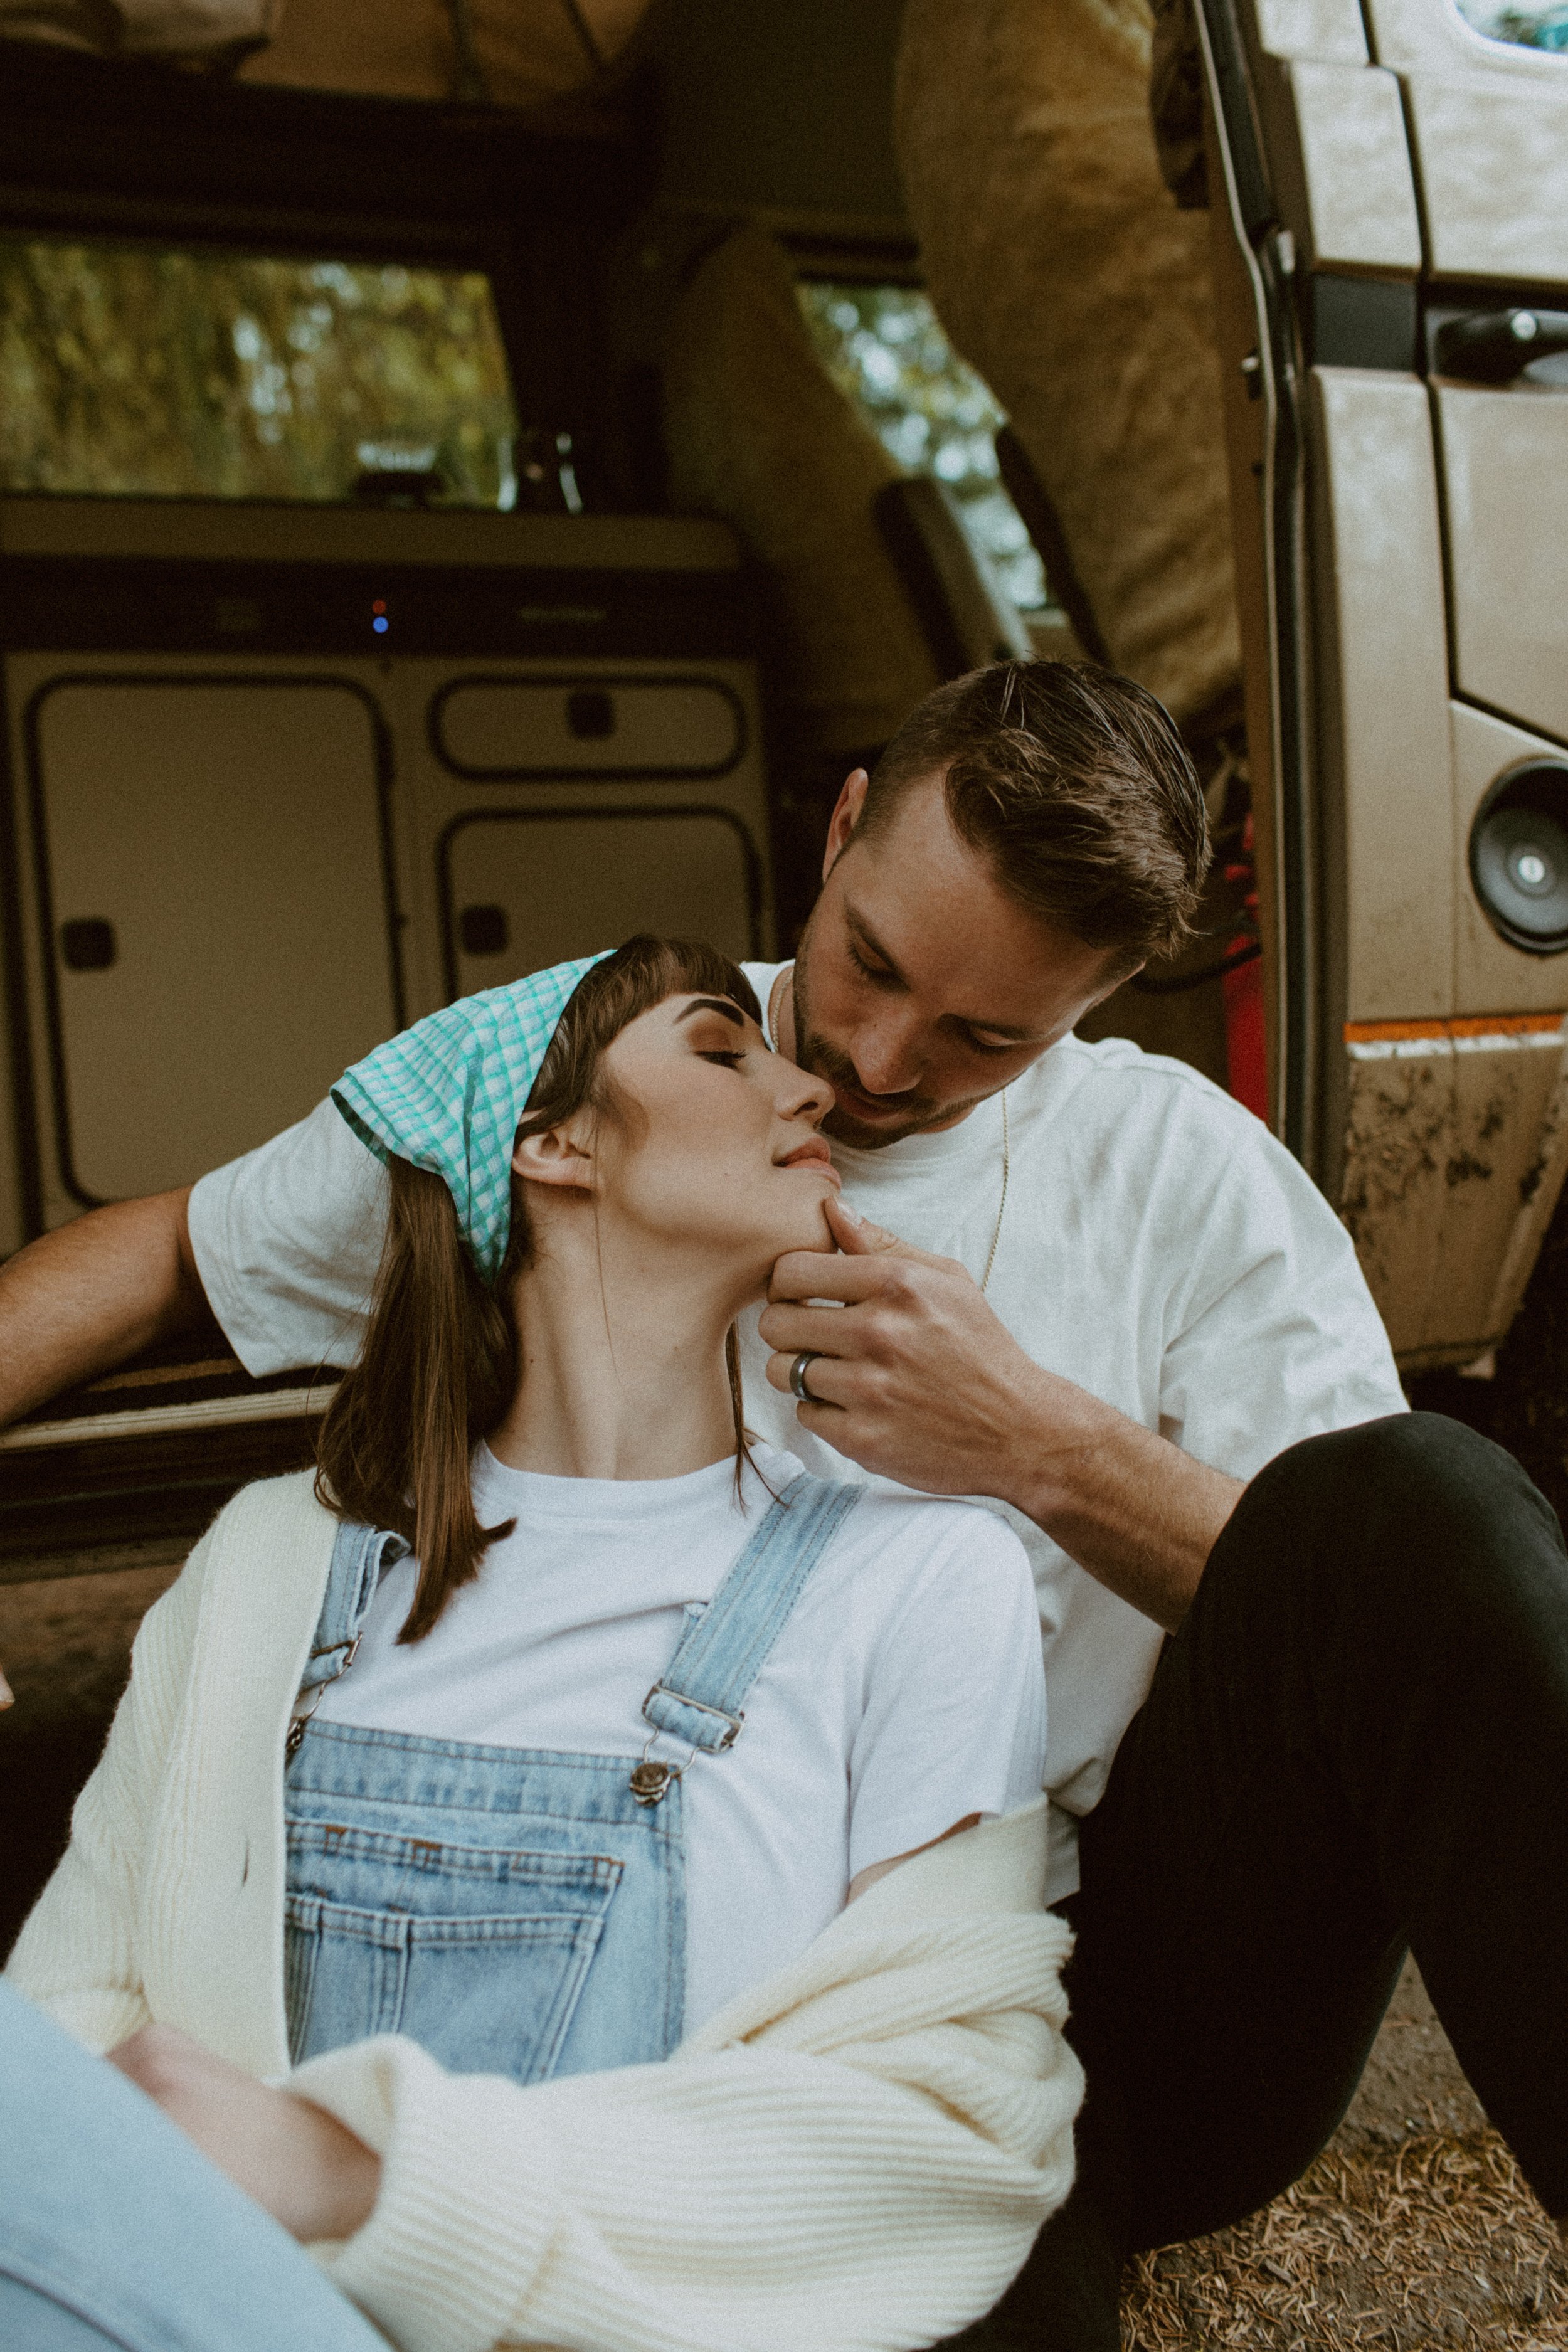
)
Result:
{"points": [[1505, 466], [1384, 696], [1435, 520]]}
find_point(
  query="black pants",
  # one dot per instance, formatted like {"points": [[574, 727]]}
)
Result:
{"points": [[1357, 1742]]}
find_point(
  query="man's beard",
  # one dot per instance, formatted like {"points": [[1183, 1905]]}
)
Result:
{"points": [[917, 1112]]}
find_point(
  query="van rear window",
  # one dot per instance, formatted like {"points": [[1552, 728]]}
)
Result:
{"points": [[885, 347], [127, 372]]}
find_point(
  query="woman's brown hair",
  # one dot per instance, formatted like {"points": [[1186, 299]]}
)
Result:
{"points": [[439, 1363]]}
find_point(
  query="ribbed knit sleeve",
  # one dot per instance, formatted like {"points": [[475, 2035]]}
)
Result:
{"points": [[78, 1953], [862, 2169]]}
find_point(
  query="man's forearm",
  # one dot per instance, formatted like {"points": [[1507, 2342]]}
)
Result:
{"points": [[91, 1292], [1134, 1510]]}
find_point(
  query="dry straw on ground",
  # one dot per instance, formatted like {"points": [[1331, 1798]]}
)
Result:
{"points": [[1434, 2243]]}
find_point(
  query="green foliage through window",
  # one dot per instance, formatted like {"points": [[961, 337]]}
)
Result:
{"points": [[1526, 29], [135, 373], [885, 348]]}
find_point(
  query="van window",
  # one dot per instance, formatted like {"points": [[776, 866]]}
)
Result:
{"points": [[132, 372], [885, 348], [1539, 27]]}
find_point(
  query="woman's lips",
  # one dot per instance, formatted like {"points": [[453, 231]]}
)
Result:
{"points": [[814, 1155]]}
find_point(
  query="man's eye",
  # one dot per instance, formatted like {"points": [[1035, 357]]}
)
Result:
{"points": [[877, 974], [987, 1046]]}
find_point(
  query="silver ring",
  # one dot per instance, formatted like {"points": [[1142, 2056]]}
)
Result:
{"points": [[797, 1375]]}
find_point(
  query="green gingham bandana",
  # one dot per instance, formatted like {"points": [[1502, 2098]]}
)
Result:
{"points": [[448, 1093]]}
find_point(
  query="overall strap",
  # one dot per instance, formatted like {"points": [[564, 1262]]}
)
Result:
{"points": [[359, 1558], [701, 1696]]}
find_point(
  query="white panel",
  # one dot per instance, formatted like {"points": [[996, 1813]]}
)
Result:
{"points": [[1494, 177], [1330, 29], [1384, 573], [588, 724], [1505, 465], [1361, 202], [568, 885], [230, 836]]}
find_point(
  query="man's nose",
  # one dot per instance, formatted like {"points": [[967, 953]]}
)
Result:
{"points": [[884, 1058]]}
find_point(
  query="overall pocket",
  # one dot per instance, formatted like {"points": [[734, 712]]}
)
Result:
{"points": [[479, 1953]]}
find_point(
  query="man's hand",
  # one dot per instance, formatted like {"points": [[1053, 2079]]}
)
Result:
{"points": [[917, 1380], [308, 2169]]}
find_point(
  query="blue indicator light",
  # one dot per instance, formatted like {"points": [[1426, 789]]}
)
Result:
{"points": [[381, 625]]}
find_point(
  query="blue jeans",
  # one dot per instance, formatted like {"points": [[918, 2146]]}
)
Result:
{"points": [[115, 2229]]}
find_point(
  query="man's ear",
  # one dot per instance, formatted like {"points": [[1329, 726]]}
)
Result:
{"points": [[844, 818], [558, 1156]]}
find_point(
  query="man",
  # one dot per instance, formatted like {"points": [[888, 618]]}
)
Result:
{"points": [[1114, 1299]]}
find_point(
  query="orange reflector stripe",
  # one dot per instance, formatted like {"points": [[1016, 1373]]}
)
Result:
{"points": [[1484, 1024]]}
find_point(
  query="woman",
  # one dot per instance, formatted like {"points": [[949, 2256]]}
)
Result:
{"points": [[548, 1738]]}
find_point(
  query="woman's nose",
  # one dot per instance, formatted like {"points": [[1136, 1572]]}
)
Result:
{"points": [[805, 1097]]}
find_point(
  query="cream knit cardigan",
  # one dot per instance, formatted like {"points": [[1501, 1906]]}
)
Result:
{"points": [[853, 2157]]}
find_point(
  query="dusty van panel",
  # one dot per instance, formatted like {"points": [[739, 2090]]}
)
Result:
{"points": [[1396, 469]]}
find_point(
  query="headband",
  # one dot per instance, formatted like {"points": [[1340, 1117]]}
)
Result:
{"points": [[450, 1093]]}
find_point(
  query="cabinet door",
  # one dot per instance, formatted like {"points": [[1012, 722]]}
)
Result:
{"points": [[215, 893], [525, 888]]}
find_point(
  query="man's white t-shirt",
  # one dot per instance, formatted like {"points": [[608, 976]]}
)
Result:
{"points": [[903, 1694], [1159, 1249]]}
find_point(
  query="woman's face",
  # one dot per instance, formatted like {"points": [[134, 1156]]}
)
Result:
{"points": [[718, 1143]]}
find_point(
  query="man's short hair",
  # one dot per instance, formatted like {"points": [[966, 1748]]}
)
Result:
{"points": [[1076, 785]]}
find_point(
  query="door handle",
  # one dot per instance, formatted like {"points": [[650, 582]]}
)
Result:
{"points": [[1494, 346]]}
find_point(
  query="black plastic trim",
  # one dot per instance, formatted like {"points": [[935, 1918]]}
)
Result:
{"points": [[24, 1077], [597, 813], [1366, 322], [596, 773], [168, 604], [381, 738], [1272, 256]]}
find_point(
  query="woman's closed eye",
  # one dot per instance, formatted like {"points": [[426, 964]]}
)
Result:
{"points": [[732, 1057]]}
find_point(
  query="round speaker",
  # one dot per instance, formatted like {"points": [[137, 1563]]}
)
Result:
{"points": [[1519, 856]]}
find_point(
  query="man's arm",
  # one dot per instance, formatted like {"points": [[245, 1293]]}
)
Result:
{"points": [[917, 1380], [89, 1294]]}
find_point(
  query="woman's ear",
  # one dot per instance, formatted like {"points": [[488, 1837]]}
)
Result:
{"points": [[558, 1156]]}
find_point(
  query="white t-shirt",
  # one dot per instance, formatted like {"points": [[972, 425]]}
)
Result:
{"points": [[1159, 1249], [904, 1693]]}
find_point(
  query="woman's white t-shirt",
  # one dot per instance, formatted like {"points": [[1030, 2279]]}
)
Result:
{"points": [[905, 1692]]}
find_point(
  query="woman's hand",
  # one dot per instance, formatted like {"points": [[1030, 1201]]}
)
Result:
{"points": [[308, 2169]]}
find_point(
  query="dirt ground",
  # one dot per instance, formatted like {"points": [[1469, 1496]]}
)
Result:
{"points": [[1411, 2231]]}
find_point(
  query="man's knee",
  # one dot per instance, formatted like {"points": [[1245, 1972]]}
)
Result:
{"points": [[1423, 1505]]}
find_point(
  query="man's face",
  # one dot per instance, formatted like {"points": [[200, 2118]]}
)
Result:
{"points": [[919, 986]]}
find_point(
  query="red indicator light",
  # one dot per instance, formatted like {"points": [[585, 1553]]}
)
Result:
{"points": [[379, 605]]}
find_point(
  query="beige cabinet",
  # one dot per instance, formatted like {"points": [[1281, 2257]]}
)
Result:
{"points": [[527, 887], [213, 897]]}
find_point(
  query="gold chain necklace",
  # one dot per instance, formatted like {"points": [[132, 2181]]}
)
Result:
{"points": [[1002, 1204], [774, 995]]}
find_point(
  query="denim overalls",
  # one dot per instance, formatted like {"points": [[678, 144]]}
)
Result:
{"points": [[516, 1911]]}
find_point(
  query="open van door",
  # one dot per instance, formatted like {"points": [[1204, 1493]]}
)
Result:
{"points": [[1389, 192]]}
